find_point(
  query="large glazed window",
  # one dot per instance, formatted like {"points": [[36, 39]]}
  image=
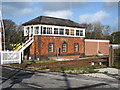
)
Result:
{"points": [[64, 47], [44, 30], [55, 30], [36, 30], [67, 31], [50, 47], [71, 32], [26, 31], [79, 32], [61, 31], [49, 30]]}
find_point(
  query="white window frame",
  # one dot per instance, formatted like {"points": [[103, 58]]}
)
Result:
{"points": [[38, 29], [52, 31], [25, 29], [64, 47], [76, 49], [51, 47]]}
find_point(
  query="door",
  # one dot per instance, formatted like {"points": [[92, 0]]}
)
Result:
{"points": [[58, 51]]}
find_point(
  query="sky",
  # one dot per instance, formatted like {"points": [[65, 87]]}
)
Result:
{"points": [[105, 12]]}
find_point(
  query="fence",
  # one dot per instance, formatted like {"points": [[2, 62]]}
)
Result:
{"points": [[114, 57], [8, 57]]}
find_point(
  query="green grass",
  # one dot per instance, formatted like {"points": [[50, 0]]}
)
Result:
{"points": [[45, 61]]}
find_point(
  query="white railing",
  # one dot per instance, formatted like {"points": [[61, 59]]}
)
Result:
{"points": [[26, 44], [8, 57]]}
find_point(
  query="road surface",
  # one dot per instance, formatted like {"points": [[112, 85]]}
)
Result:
{"points": [[20, 78]]}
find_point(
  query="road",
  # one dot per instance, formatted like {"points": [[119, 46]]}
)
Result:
{"points": [[20, 78]]}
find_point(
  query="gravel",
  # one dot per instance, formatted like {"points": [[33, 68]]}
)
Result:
{"points": [[107, 73], [109, 70]]}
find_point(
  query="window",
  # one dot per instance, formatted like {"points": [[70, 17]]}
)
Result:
{"points": [[49, 30], [50, 47], [26, 31], [55, 30], [36, 30], [64, 47], [61, 31], [44, 30], [79, 32], [76, 46], [67, 31], [71, 32]]}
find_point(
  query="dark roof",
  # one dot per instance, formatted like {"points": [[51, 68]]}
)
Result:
{"points": [[53, 21]]}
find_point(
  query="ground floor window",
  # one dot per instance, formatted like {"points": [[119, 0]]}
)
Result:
{"points": [[76, 46], [50, 47], [64, 47]]}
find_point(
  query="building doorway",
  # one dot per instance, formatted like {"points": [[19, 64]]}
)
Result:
{"points": [[58, 52]]}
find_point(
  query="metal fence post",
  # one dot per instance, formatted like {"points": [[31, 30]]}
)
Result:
{"points": [[19, 57], [1, 57]]}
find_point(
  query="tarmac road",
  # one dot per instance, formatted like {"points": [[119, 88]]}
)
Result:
{"points": [[20, 78]]}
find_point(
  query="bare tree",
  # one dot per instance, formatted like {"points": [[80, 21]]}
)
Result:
{"points": [[13, 33]]}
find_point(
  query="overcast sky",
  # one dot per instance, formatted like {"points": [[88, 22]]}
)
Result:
{"points": [[81, 12]]}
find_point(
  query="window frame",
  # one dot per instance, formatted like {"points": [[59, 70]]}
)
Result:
{"points": [[61, 29], [81, 33], [72, 33], [66, 48], [38, 33], [56, 30], [49, 30], [67, 31], [49, 47], [26, 31], [75, 47]]}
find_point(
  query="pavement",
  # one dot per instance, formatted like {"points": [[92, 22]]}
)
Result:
{"points": [[32, 79]]}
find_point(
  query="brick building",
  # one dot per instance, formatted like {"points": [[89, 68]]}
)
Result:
{"points": [[53, 37]]}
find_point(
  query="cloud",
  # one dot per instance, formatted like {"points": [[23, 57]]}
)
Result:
{"points": [[60, 14], [92, 18], [20, 11], [55, 6], [110, 5], [10, 9], [111, 0]]}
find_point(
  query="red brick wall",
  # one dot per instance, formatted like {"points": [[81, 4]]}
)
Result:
{"points": [[45, 40], [104, 48], [91, 48]]}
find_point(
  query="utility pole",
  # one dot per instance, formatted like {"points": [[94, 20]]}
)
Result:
{"points": [[2, 33]]}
